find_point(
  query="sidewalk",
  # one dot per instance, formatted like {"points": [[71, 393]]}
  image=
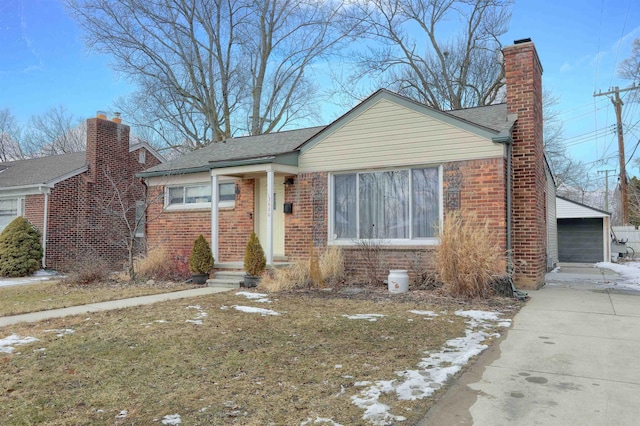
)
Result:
{"points": [[110, 305], [571, 357]]}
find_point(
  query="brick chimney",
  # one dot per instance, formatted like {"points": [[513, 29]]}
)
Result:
{"points": [[107, 144], [528, 227]]}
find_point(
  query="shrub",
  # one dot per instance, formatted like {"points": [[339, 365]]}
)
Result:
{"points": [[289, 278], [159, 264], [332, 265], [20, 249], [201, 260], [468, 257], [88, 270], [254, 260]]}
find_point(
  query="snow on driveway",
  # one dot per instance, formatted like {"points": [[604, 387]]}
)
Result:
{"points": [[629, 271]]}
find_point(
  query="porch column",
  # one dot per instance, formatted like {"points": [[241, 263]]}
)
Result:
{"points": [[214, 216], [269, 242]]}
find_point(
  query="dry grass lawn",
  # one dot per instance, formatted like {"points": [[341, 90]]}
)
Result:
{"points": [[136, 366], [20, 299]]}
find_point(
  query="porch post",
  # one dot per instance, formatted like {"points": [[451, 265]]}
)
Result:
{"points": [[269, 242], [214, 216]]}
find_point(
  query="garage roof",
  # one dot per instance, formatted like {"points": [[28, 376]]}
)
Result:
{"points": [[568, 209]]}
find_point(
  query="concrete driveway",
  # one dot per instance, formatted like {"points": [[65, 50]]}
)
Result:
{"points": [[572, 357]]}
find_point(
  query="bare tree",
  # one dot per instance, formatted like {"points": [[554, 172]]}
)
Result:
{"points": [[10, 148], [56, 131], [124, 204], [630, 67], [212, 68], [415, 59]]}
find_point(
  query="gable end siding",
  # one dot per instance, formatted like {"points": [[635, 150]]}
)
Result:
{"points": [[390, 135]]}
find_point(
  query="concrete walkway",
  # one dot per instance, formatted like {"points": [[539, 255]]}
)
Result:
{"points": [[110, 305], [572, 357]]}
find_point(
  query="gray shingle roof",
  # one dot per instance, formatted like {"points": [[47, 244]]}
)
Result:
{"points": [[39, 170], [492, 117], [240, 148]]}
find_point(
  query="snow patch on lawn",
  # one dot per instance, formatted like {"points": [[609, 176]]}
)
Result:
{"points": [[630, 272], [171, 419], [433, 371], [256, 297], [368, 317], [252, 310], [198, 318], [425, 313], [61, 331], [7, 344], [319, 420]]}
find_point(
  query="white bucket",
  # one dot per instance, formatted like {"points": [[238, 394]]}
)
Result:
{"points": [[398, 281]]}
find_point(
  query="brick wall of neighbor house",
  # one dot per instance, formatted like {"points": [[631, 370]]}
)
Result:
{"points": [[80, 224], [34, 209], [524, 97], [177, 230]]}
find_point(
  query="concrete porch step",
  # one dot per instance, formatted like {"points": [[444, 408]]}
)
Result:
{"points": [[223, 283]]}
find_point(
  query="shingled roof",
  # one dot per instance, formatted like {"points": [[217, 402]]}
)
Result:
{"points": [[492, 118], [40, 171]]}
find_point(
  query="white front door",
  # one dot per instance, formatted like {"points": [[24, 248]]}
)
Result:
{"points": [[260, 221]]}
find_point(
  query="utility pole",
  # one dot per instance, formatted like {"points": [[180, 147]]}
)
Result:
{"points": [[617, 104], [606, 187]]}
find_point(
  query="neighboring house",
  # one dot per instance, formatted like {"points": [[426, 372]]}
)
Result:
{"points": [[584, 234], [65, 196], [388, 170]]}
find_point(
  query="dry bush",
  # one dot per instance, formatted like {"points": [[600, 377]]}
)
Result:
{"points": [[285, 279], [159, 264], [332, 265], [468, 256], [88, 270]]}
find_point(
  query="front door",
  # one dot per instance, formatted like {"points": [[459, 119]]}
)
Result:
{"points": [[278, 215]]}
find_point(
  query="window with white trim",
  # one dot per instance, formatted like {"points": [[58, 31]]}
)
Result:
{"points": [[386, 205], [10, 208], [141, 209], [199, 195]]}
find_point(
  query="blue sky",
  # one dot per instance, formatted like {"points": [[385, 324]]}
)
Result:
{"points": [[43, 64]]}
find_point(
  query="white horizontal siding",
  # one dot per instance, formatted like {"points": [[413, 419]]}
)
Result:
{"points": [[552, 223], [387, 135], [567, 210]]}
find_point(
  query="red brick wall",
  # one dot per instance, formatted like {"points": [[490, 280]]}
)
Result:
{"points": [[480, 183], [81, 222], [178, 229], [309, 219], [524, 97]]}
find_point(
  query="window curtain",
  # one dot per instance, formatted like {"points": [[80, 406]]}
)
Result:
{"points": [[8, 211], [344, 216], [384, 204], [426, 208]]}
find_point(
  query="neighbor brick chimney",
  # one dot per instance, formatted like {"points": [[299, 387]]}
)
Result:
{"points": [[107, 144], [524, 98]]}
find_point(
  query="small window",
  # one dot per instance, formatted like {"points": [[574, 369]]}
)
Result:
{"points": [[10, 208], [140, 218], [227, 192], [142, 156], [196, 196]]}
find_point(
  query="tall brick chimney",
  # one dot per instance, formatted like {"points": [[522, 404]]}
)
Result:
{"points": [[528, 227], [107, 145]]}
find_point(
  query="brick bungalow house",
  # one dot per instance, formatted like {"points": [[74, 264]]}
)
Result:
{"points": [[64, 196], [390, 169]]}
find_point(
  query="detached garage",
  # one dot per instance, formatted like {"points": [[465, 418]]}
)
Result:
{"points": [[583, 233]]}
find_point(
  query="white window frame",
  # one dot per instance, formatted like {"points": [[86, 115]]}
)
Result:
{"points": [[196, 206], [429, 241], [20, 207], [140, 226], [142, 156]]}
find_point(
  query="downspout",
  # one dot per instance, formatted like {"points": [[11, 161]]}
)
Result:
{"points": [[44, 230], [508, 142]]}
